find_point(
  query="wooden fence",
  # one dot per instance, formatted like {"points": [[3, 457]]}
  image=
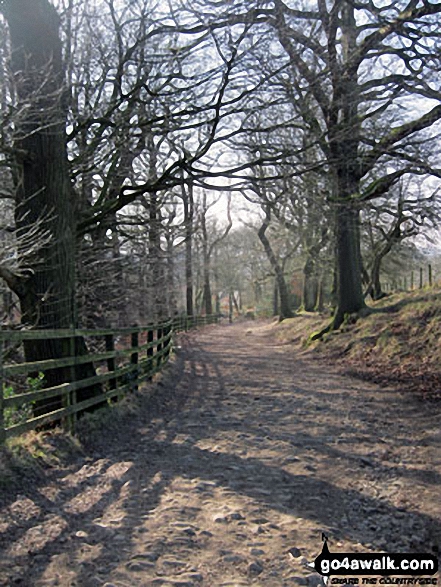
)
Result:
{"points": [[416, 279], [122, 358]]}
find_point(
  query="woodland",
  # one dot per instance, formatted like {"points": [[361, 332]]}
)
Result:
{"points": [[187, 162], [162, 158]]}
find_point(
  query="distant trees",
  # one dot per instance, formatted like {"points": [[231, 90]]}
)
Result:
{"points": [[209, 245], [345, 69], [409, 208], [282, 289], [189, 221], [317, 112], [242, 269], [348, 77]]}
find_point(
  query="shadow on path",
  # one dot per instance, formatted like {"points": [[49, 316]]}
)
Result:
{"points": [[257, 425]]}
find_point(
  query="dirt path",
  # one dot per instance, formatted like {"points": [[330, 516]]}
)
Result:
{"points": [[244, 453]]}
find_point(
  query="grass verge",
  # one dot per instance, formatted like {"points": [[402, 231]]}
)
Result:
{"points": [[398, 343]]}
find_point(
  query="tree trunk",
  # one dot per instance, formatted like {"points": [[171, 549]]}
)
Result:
{"points": [[310, 286], [285, 304], [155, 258], [207, 300], [208, 303], [320, 296], [236, 305], [188, 223], [394, 236], [376, 291], [171, 288], [276, 298], [349, 286], [344, 133], [43, 192]]}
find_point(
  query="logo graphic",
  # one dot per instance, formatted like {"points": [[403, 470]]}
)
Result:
{"points": [[324, 552], [365, 564]]}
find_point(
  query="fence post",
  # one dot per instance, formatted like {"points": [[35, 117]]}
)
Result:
{"points": [[169, 334], [134, 360], [150, 352], [111, 363], [411, 281], [159, 346], [71, 398], [2, 416], [421, 278], [430, 275]]}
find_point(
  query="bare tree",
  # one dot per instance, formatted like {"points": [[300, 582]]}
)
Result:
{"points": [[351, 75], [209, 245], [404, 213]]}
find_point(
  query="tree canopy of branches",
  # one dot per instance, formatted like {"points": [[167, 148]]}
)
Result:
{"points": [[114, 112], [354, 75]]}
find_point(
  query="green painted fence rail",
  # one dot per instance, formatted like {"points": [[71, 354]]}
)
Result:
{"points": [[125, 357]]}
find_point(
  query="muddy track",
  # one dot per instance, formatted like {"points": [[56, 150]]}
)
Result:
{"points": [[242, 452]]}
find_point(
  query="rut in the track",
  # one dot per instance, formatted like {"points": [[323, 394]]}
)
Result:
{"points": [[243, 453]]}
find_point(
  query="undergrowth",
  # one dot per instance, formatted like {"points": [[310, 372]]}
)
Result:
{"points": [[397, 343]]}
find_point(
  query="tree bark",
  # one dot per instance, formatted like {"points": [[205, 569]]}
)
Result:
{"points": [[375, 290], [207, 299], [285, 304], [320, 296], [276, 298], [43, 191], [310, 285], [155, 257], [188, 224], [394, 236], [344, 133], [349, 287]]}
